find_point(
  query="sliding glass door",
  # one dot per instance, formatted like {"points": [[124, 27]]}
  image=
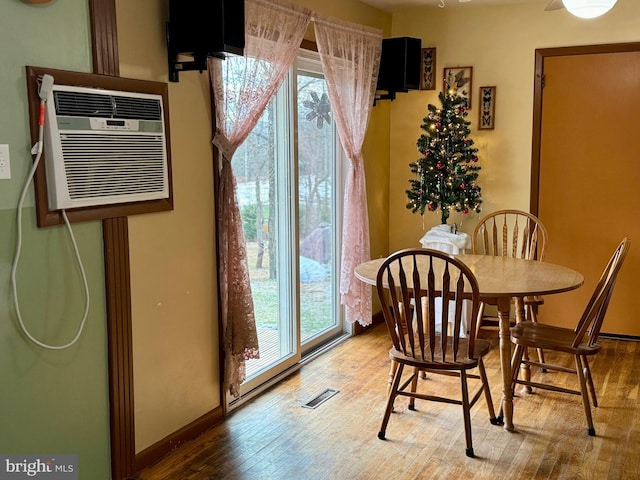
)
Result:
{"points": [[288, 180], [319, 157]]}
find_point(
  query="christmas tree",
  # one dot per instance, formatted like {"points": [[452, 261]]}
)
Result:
{"points": [[448, 170]]}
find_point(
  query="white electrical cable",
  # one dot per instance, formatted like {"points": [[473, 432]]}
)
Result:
{"points": [[16, 259]]}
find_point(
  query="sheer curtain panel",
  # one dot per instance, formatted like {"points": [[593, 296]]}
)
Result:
{"points": [[350, 56], [274, 31]]}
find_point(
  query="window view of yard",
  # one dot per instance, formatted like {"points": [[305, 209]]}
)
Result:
{"points": [[268, 177], [316, 309]]}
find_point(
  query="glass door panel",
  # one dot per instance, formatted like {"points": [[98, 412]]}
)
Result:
{"points": [[286, 187], [261, 166], [316, 149]]}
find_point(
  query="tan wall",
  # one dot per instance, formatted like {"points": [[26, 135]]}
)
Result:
{"points": [[175, 334], [173, 269], [350, 10], [499, 42]]}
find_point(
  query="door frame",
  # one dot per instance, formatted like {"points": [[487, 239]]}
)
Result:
{"points": [[307, 60], [540, 55]]}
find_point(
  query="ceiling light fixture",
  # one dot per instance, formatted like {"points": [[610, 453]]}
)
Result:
{"points": [[588, 8]]}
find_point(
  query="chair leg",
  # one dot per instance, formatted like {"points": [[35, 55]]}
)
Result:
{"points": [[516, 360], [390, 399], [525, 367], [582, 372], [533, 315], [479, 317], [526, 370], [592, 389], [466, 413], [393, 368], [487, 393], [414, 387]]}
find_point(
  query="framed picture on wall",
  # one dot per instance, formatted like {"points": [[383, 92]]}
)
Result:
{"points": [[428, 69], [459, 80], [487, 113]]}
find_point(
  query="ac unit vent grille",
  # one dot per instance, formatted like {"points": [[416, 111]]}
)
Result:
{"points": [[98, 165], [81, 104], [137, 108]]}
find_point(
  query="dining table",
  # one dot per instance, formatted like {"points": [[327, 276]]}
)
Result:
{"points": [[504, 279]]}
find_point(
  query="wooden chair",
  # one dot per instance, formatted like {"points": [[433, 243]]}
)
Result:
{"points": [[516, 234], [581, 342], [418, 277]]}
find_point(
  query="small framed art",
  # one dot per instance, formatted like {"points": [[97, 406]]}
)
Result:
{"points": [[459, 80], [487, 114], [428, 69]]}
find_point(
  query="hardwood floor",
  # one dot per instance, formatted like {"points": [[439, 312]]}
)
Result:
{"points": [[273, 437]]}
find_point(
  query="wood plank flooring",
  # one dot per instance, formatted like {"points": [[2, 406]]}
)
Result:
{"points": [[273, 437]]}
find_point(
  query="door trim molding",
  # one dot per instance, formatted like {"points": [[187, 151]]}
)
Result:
{"points": [[540, 55]]}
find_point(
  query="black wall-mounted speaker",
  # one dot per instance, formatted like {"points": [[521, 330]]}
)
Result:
{"points": [[400, 64], [203, 29]]}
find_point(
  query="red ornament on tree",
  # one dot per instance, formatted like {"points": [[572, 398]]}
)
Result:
{"points": [[431, 207]]}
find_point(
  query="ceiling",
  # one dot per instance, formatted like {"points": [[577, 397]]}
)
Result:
{"points": [[391, 5]]}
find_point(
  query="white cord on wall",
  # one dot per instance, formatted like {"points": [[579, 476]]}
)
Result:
{"points": [[45, 87]]}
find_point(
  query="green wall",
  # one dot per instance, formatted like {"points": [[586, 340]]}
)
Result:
{"points": [[51, 402]]}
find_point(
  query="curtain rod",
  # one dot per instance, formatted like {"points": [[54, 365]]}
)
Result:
{"points": [[348, 26]]}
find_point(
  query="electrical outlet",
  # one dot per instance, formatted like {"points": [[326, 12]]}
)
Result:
{"points": [[5, 167]]}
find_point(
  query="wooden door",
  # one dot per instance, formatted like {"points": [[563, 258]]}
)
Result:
{"points": [[588, 175]]}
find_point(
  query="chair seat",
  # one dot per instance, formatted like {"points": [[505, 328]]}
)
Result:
{"points": [[550, 337], [480, 348]]}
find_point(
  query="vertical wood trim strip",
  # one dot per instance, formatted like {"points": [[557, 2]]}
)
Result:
{"points": [[537, 132], [104, 36], [117, 274], [120, 358]]}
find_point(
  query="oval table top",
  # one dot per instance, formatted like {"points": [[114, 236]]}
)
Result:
{"points": [[502, 276]]}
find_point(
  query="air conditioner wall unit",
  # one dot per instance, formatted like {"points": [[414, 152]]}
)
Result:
{"points": [[104, 147]]}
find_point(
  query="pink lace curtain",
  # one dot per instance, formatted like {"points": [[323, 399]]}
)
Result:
{"points": [[350, 56], [274, 30]]}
